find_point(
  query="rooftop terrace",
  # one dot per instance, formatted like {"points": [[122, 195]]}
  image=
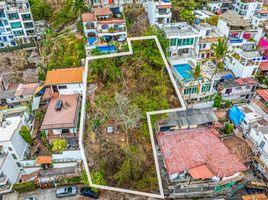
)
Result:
{"points": [[179, 29]]}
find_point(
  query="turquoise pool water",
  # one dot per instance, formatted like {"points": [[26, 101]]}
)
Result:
{"points": [[107, 49], [183, 70]]}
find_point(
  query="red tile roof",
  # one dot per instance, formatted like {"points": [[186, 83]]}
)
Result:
{"points": [[246, 81], [201, 172], [66, 117], [88, 17], [102, 11], [26, 89], [44, 160], [264, 66], [263, 93], [186, 149], [164, 6]]}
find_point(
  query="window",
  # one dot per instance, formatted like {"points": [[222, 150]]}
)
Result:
{"points": [[10, 149], [28, 25], [206, 87], [15, 25], [19, 165], [173, 42], [204, 46], [190, 90], [162, 10], [12, 99], [13, 16], [63, 87], [18, 33], [262, 144], [188, 41], [1, 23], [21, 96], [2, 14], [26, 17], [14, 156]]}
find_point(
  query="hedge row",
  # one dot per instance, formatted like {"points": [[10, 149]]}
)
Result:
{"points": [[24, 187]]}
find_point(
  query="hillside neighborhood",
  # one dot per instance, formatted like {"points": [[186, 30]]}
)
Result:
{"points": [[134, 99]]}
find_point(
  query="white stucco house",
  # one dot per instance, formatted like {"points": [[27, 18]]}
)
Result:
{"points": [[159, 12], [247, 8]]}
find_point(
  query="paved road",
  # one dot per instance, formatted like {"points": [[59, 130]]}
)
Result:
{"points": [[49, 194]]}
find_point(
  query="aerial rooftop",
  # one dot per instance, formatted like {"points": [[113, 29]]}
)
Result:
{"points": [[179, 29], [65, 117], [233, 19], [263, 93], [187, 149], [64, 76]]}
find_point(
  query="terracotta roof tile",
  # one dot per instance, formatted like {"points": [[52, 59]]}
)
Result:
{"points": [[26, 89], [88, 17], [102, 11], [246, 81], [264, 66], [263, 93], [201, 172], [44, 160], [186, 149], [255, 197], [63, 76]]}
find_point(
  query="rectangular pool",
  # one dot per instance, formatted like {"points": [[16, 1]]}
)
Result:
{"points": [[107, 49], [183, 70]]}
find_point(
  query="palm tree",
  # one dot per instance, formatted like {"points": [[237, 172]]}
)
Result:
{"points": [[220, 50], [196, 75], [79, 7]]}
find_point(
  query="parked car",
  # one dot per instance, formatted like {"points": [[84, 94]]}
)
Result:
{"points": [[87, 192], [66, 191]]}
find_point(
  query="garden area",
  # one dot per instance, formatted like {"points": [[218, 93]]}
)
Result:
{"points": [[117, 139]]}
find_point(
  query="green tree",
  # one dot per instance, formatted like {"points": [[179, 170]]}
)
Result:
{"points": [[217, 101], [26, 135], [78, 7], [228, 128], [213, 20], [84, 178], [220, 50], [98, 178], [59, 145], [40, 10], [196, 76]]}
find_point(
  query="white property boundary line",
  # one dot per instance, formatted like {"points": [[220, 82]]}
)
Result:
{"points": [[83, 116]]}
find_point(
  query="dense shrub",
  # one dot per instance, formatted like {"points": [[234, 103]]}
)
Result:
{"points": [[24, 187]]}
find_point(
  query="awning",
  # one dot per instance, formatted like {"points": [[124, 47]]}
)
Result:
{"points": [[44, 160]]}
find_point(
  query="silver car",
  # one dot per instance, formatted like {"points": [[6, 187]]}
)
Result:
{"points": [[66, 191]]}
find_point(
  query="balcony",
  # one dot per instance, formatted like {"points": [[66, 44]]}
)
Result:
{"points": [[235, 40]]}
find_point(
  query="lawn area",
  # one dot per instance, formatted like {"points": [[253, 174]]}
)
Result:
{"points": [[127, 88]]}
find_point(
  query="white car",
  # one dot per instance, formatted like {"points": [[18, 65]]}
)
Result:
{"points": [[66, 191]]}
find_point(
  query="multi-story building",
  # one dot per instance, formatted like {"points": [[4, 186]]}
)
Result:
{"points": [[260, 102], [16, 23], [13, 146], [247, 8], [104, 26], [237, 90], [111, 2], [238, 30], [244, 63], [159, 12], [209, 35], [183, 41], [9, 172], [219, 6], [194, 91], [258, 135]]}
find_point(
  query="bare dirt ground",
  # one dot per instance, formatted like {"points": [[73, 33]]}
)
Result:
{"points": [[19, 66]]}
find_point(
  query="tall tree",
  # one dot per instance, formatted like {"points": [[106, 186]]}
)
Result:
{"points": [[220, 50], [79, 7], [196, 76], [26, 135], [59, 145]]}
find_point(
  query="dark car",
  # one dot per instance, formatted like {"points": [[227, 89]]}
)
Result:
{"points": [[66, 191], [87, 192]]}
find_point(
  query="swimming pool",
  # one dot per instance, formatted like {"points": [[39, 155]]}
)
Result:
{"points": [[183, 70], [91, 41], [107, 49]]}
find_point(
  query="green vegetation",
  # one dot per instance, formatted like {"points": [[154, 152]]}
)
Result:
{"points": [[98, 178], [128, 87], [59, 145], [58, 14], [26, 135], [84, 178], [24, 187], [40, 10], [213, 20], [183, 10], [228, 128], [221, 52], [70, 180]]}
